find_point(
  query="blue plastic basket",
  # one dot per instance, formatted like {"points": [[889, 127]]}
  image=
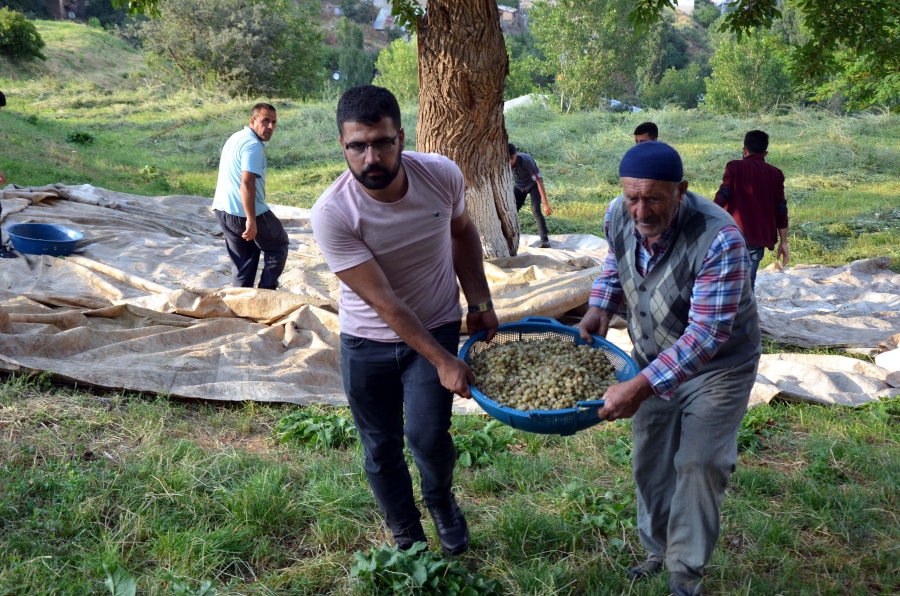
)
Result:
{"points": [[548, 422], [43, 239]]}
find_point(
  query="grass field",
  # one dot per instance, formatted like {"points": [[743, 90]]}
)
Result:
{"points": [[190, 491], [207, 492]]}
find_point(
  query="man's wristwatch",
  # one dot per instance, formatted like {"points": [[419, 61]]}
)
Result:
{"points": [[483, 307]]}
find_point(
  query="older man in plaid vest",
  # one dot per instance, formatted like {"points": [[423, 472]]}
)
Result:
{"points": [[681, 265]]}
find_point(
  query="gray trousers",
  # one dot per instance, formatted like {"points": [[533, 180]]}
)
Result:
{"points": [[684, 452]]}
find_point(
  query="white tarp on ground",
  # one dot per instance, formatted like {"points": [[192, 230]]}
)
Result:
{"points": [[854, 306], [144, 304]]}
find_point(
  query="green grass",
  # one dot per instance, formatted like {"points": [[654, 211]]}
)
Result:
{"points": [[210, 493]]}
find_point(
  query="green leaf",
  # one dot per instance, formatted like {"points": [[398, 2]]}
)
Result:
{"points": [[119, 581], [465, 459], [419, 574]]}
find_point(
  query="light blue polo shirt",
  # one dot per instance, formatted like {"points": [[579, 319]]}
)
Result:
{"points": [[243, 152]]}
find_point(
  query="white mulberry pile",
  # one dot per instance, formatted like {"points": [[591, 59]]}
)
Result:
{"points": [[549, 374]]}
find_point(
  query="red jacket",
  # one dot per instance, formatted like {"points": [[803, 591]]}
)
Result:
{"points": [[752, 192]]}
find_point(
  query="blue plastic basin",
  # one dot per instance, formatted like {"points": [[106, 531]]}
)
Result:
{"points": [[548, 422], [43, 239]]}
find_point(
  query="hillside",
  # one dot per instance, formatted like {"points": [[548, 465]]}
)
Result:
{"points": [[841, 171], [77, 52]]}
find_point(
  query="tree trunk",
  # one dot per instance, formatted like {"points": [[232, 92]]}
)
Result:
{"points": [[462, 72]]}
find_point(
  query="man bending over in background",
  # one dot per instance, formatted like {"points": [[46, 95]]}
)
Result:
{"points": [[249, 225], [529, 181]]}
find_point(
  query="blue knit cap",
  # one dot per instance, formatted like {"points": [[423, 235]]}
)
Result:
{"points": [[652, 160]]}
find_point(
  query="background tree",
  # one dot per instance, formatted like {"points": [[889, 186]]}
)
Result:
{"points": [[749, 75], [519, 82], [849, 46], [359, 11], [528, 69], [252, 47], [398, 69], [355, 67], [462, 68], [705, 13], [588, 40]]}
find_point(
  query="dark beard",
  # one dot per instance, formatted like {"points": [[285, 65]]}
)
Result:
{"points": [[380, 182]]}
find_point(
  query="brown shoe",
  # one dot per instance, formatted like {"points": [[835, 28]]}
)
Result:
{"points": [[652, 566]]}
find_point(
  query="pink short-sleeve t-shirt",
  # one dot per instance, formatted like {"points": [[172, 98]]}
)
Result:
{"points": [[409, 239]]}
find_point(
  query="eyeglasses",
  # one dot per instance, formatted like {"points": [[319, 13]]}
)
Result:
{"points": [[380, 146]]}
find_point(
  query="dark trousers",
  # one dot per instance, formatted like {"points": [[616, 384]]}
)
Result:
{"points": [[381, 380], [756, 255], [271, 239], [535, 208]]}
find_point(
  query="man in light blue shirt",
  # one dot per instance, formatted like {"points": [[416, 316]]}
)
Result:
{"points": [[249, 226]]}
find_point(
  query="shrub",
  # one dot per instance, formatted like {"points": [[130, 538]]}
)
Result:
{"points": [[677, 87], [388, 570], [481, 446], [80, 138], [360, 11], [95, 23], [323, 431], [398, 70], [254, 47], [19, 39]]}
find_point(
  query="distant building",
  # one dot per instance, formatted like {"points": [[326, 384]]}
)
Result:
{"points": [[686, 6], [507, 13]]}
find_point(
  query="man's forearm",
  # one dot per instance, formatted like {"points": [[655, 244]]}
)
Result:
{"points": [[248, 199], [407, 325], [782, 234], [543, 191], [468, 262]]}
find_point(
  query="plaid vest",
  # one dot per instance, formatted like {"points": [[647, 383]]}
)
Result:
{"points": [[658, 305]]}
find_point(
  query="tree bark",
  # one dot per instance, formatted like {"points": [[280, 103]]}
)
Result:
{"points": [[462, 72]]}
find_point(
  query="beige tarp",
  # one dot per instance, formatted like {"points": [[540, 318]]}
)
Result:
{"points": [[854, 306], [144, 304]]}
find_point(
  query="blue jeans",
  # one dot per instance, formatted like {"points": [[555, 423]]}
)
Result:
{"points": [[381, 379], [756, 255]]}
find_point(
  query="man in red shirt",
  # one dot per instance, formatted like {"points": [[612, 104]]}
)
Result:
{"points": [[752, 192]]}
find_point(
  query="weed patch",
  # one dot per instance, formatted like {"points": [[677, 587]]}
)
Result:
{"points": [[612, 511], [322, 431], [79, 137], [480, 447], [388, 570]]}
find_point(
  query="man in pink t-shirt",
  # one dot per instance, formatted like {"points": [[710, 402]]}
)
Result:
{"points": [[395, 230]]}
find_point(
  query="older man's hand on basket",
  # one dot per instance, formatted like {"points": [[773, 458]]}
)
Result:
{"points": [[596, 322], [624, 399]]}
